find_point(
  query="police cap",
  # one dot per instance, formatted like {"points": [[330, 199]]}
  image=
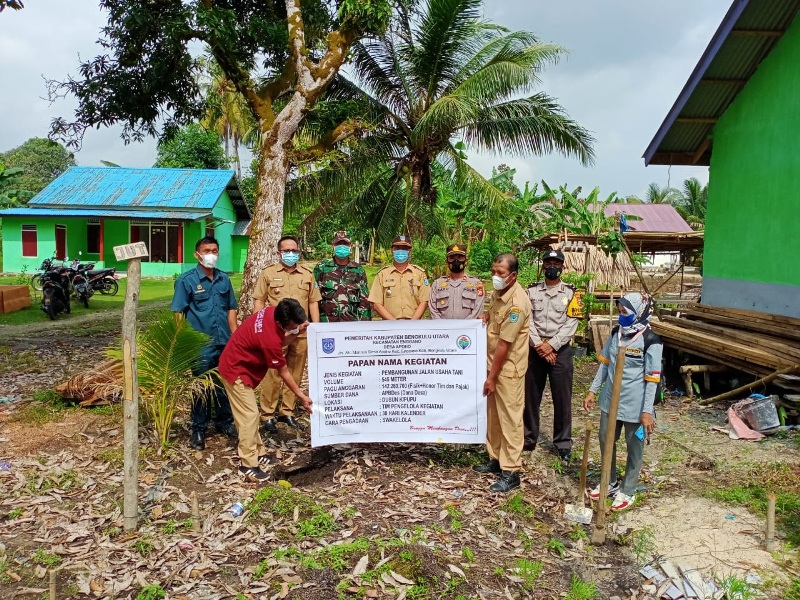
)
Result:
{"points": [[456, 249], [552, 254]]}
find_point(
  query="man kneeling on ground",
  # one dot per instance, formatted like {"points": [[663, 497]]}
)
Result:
{"points": [[254, 348]]}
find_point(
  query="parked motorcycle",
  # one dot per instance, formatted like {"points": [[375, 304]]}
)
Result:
{"points": [[103, 281], [38, 279], [55, 292], [81, 287]]}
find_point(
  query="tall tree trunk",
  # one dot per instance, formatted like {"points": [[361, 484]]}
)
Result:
{"points": [[266, 226], [236, 159]]}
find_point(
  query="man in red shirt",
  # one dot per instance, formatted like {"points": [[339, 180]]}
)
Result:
{"points": [[254, 348]]}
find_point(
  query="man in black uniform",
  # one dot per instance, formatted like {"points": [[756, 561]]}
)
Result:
{"points": [[550, 356]]}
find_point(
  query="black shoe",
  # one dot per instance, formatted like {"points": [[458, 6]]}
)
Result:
{"points": [[198, 441], [229, 430], [528, 446], [288, 421], [253, 474], [507, 481], [493, 466], [266, 460], [269, 426], [565, 454]]}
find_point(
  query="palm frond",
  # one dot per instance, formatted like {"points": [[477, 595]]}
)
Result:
{"points": [[535, 125], [445, 28]]}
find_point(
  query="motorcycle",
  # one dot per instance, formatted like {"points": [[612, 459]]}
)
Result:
{"points": [[38, 279], [81, 287], [55, 292], [103, 281]]}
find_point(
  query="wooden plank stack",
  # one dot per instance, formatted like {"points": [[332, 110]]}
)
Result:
{"points": [[750, 341], [14, 297]]}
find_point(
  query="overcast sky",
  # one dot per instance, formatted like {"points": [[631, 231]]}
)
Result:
{"points": [[627, 62]]}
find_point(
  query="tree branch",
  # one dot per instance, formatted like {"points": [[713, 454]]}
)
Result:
{"points": [[341, 132]]}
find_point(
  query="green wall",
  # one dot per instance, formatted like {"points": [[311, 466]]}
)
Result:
{"points": [[751, 232]]}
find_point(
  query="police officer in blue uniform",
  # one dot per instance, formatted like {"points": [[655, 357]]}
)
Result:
{"points": [[204, 296]]}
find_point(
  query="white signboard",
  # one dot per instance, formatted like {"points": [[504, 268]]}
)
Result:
{"points": [[128, 251], [397, 381]]}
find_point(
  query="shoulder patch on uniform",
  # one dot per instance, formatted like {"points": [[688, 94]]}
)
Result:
{"points": [[426, 282], [513, 314]]}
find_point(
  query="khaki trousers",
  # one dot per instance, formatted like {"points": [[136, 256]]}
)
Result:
{"points": [[296, 355], [245, 414], [504, 433]]}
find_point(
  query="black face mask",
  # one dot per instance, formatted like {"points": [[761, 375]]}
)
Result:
{"points": [[456, 266], [552, 273]]}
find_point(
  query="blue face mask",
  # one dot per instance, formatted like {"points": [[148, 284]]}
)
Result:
{"points": [[627, 320], [400, 256], [290, 258], [341, 251]]}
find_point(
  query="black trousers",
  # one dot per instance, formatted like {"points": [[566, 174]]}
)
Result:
{"points": [[560, 376], [215, 397]]}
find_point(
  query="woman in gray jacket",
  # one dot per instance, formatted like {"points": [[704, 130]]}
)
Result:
{"points": [[640, 379]]}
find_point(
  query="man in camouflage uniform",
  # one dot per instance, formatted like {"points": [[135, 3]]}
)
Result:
{"points": [[457, 295], [343, 285]]}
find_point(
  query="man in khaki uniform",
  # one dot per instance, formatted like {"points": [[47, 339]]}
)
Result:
{"points": [[457, 295], [286, 279], [507, 347], [400, 291]]}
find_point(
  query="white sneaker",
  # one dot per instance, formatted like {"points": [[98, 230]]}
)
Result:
{"points": [[612, 490], [622, 501]]}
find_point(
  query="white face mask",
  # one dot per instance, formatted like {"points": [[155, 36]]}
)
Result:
{"points": [[209, 260], [294, 331], [499, 283]]}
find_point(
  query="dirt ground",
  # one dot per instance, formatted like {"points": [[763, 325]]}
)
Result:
{"points": [[418, 508]]}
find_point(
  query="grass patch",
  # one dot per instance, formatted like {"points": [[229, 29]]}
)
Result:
{"points": [[64, 481], [47, 406], [45, 558], [4, 578], [529, 571], [275, 500], [519, 506], [581, 590], [752, 490], [152, 592], [18, 362]]}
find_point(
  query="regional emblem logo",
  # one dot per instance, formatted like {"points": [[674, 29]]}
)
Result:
{"points": [[328, 345], [463, 342]]}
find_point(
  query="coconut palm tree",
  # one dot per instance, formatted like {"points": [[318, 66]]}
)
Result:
{"points": [[227, 112], [692, 202], [441, 80], [658, 195]]}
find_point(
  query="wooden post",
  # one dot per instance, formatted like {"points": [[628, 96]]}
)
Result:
{"points": [[131, 397], [133, 253], [769, 542], [53, 574], [195, 512], [599, 533]]}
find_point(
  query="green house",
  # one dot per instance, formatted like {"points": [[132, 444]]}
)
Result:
{"points": [[739, 114], [92, 209]]}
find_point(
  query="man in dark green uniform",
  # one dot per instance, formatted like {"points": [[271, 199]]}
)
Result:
{"points": [[343, 285]]}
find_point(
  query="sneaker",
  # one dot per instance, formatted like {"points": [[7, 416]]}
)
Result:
{"points": [[266, 460], [565, 455], [622, 501], [268, 426], [253, 474], [612, 491], [507, 481]]}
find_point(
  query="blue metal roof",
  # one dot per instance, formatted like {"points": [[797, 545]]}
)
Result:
{"points": [[747, 34], [126, 188], [89, 213]]}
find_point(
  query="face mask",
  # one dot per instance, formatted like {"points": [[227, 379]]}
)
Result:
{"points": [[499, 283], [400, 256], [294, 331], [209, 260], [627, 320], [456, 266], [341, 251], [290, 258], [552, 272]]}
